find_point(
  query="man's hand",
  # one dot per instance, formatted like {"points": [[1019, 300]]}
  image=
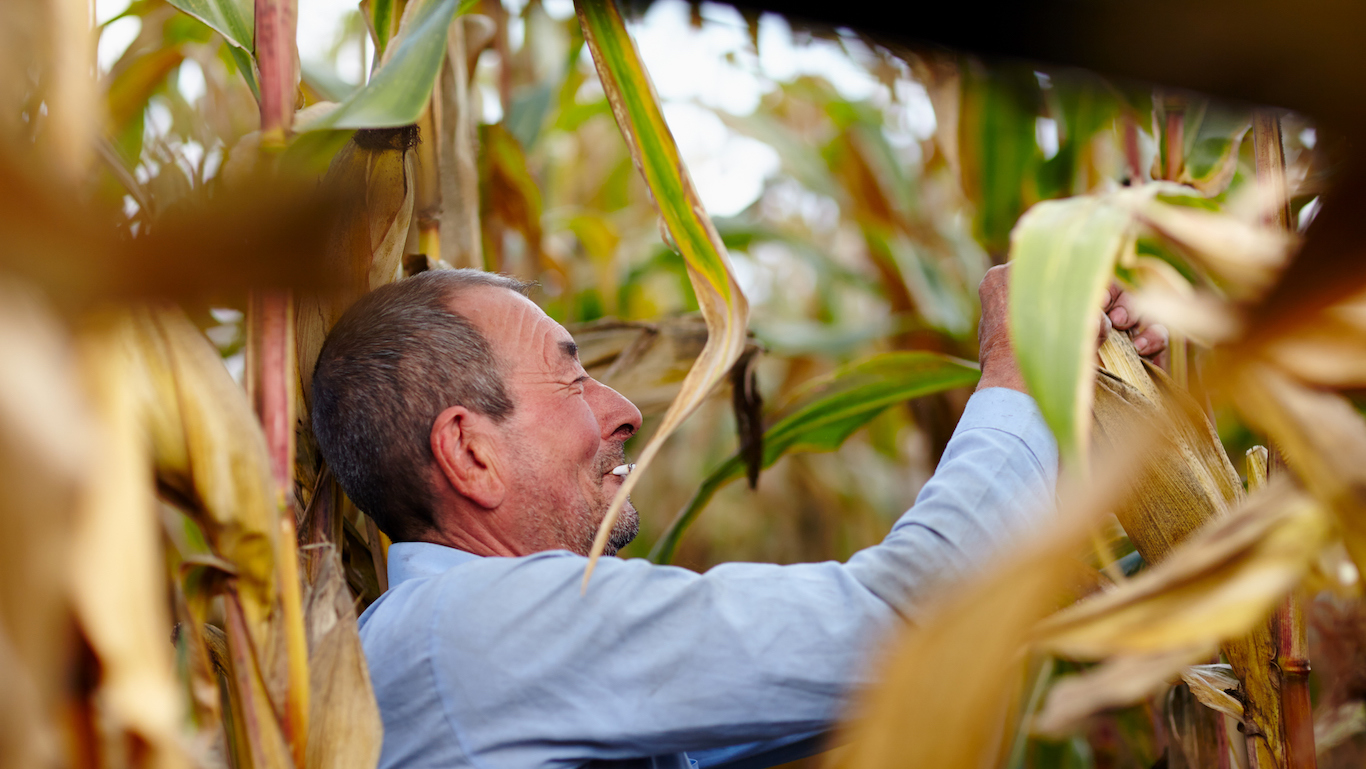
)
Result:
{"points": [[999, 367]]}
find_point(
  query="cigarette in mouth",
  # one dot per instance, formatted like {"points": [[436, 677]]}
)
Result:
{"points": [[623, 470]]}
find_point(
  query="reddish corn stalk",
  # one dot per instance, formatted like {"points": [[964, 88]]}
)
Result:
{"points": [[1174, 132], [270, 386], [278, 59], [1292, 653]]}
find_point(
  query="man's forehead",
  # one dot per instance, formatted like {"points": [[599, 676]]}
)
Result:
{"points": [[515, 326]]}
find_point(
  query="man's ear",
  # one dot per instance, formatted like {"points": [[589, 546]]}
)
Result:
{"points": [[462, 442]]}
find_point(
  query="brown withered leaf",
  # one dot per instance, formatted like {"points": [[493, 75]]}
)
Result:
{"points": [[344, 722]]}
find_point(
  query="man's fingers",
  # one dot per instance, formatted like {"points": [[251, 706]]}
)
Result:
{"points": [[1103, 328], [1121, 312], [1151, 340]]}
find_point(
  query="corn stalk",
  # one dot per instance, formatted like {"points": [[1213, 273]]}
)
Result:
{"points": [[1292, 639]]}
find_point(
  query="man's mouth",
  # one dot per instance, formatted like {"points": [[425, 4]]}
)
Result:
{"points": [[623, 470]]}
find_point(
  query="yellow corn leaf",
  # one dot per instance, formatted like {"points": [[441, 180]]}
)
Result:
{"points": [[118, 586], [345, 731], [1245, 257], [656, 156], [1185, 485], [209, 453], [1120, 681], [46, 449], [1215, 586], [1330, 351]]}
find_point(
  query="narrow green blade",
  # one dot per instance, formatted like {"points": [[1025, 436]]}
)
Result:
{"points": [[400, 88], [826, 412], [233, 19]]}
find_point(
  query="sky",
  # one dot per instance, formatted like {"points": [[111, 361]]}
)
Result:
{"points": [[695, 71]]}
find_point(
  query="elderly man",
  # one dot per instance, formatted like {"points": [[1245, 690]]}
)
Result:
{"points": [[456, 413]]}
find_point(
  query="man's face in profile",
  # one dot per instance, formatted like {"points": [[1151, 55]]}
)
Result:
{"points": [[567, 431]]}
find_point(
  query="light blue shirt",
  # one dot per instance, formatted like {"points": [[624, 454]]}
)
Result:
{"points": [[499, 663]]}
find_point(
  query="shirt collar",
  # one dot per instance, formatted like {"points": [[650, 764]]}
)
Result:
{"points": [[416, 560]]}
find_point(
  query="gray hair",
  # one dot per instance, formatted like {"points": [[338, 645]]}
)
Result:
{"points": [[397, 359]]}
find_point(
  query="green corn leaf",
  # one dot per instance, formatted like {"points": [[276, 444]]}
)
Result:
{"points": [[1064, 254], [401, 86], [826, 412], [641, 120], [997, 149], [233, 19]]}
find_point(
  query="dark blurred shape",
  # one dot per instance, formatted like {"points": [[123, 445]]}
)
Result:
{"points": [[1307, 56], [265, 232]]}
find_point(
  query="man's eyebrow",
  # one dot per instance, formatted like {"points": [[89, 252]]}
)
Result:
{"points": [[569, 348]]}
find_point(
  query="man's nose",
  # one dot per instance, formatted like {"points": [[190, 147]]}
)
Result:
{"points": [[618, 417]]}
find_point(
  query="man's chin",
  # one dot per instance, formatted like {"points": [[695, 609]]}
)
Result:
{"points": [[624, 531]]}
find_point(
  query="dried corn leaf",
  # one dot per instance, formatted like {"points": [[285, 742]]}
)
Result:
{"points": [[345, 731], [1322, 437], [209, 453], [1119, 682], [117, 583], [1214, 587], [941, 698], [645, 362]]}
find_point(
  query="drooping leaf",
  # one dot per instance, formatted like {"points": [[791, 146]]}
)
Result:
{"points": [[233, 19], [826, 412], [400, 88], [1216, 586], [641, 120]]}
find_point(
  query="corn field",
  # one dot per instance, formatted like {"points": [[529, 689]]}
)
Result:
{"points": [[185, 218]]}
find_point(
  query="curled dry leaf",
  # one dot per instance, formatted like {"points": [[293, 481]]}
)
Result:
{"points": [[1245, 257], [645, 362], [1217, 687]]}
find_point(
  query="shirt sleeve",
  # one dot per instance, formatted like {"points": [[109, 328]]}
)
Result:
{"points": [[653, 659]]}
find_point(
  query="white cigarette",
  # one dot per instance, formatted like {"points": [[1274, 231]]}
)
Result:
{"points": [[623, 470]]}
